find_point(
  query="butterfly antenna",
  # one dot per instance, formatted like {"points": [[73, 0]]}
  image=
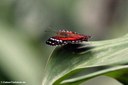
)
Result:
{"points": [[50, 29]]}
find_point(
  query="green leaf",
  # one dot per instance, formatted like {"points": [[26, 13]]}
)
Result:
{"points": [[74, 63]]}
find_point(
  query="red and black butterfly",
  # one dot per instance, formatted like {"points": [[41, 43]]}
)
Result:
{"points": [[66, 37]]}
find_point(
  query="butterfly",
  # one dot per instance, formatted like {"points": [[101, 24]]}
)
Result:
{"points": [[64, 37]]}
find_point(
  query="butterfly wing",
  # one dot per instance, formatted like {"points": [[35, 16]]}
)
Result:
{"points": [[65, 37]]}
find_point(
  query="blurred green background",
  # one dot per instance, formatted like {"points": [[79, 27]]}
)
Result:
{"points": [[23, 26]]}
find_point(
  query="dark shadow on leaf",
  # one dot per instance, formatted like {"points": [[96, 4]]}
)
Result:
{"points": [[89, 70], [76, 48]]}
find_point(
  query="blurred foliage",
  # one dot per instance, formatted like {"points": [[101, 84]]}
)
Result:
{"points": [[23, 52]]}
